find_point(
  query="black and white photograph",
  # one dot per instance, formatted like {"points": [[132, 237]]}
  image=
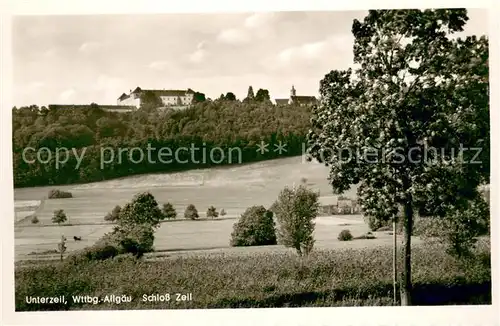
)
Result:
{"points": [[250, 159]]}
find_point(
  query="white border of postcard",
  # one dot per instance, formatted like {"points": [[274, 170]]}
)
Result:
{"points": [[447, 315]]}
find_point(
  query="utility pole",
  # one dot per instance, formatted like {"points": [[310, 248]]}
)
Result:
{"points": [[394, 261], [394, 253]]}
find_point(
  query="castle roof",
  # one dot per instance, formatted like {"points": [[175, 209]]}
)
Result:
{"points": [[168, 92], [160, 92], [123, 96]]}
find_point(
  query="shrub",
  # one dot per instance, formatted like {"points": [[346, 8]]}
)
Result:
{"points": [[59, 217], [255, 228], [191, 212], [222, 212], [429, 227], [345, 235], [143, 209], [485, 192], [133, 239], [56, 193], [459, 229], [169, 211], [136, 240], [34, 220], [101, 252], [375, 224], [114, 215], [212, 212], [295, 210], [125, 257], [367, 236]]}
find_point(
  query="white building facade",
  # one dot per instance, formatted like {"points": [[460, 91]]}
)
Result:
{"points": [[168, 97]]}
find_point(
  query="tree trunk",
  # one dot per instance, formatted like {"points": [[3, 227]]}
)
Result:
{"points": [[406, 275]]}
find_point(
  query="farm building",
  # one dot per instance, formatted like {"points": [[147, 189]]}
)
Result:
{"points": [[332, 205]]}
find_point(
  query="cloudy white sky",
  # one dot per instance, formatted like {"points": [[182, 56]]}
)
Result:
{"points": [[84, 59]]}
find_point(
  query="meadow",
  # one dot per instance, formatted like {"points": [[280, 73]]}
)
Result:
{"points": [[195, 256], [232, 188], [345, 277]]}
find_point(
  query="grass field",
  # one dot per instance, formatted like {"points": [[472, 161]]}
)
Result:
{"points": [[195, 256], [231, 188], [346, 277]]}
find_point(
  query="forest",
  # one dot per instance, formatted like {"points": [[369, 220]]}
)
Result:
{"points": [[86, 131]]}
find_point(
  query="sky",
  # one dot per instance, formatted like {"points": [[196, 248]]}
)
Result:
{"points": [[96, 58]]}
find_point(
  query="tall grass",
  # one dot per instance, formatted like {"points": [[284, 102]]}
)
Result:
{"points": [[325, 278]]}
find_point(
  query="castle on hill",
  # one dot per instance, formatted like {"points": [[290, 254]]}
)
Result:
{"points": [[168, 97]]}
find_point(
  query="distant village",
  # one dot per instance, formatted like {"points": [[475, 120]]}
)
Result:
{"points": [[177, 99]]}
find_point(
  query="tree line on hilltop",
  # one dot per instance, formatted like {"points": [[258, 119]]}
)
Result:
{"points": [[223, 124]]}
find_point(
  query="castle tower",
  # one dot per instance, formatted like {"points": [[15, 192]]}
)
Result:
{"points": [[292, 91]]}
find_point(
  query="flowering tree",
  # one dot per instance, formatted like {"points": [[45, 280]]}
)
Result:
{"points": [[410, 126]]}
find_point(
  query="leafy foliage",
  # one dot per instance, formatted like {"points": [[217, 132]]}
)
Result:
{"points": [[230, 96], [459, 230], [133, 235], [345, 235], [295, 210], [191, 212], [199, 97], [250, 95], [148, 98], [222, 212], [143, 209], [169, 211], [59, 216], [90, 131], [417, 89], [133, 239], [273, 279], [56, 193], [375, 224], [61, 246], [255, 227], [96, 252], [137, 239], [114, 215], [262, 95], [35, 220], [212, 212]]}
